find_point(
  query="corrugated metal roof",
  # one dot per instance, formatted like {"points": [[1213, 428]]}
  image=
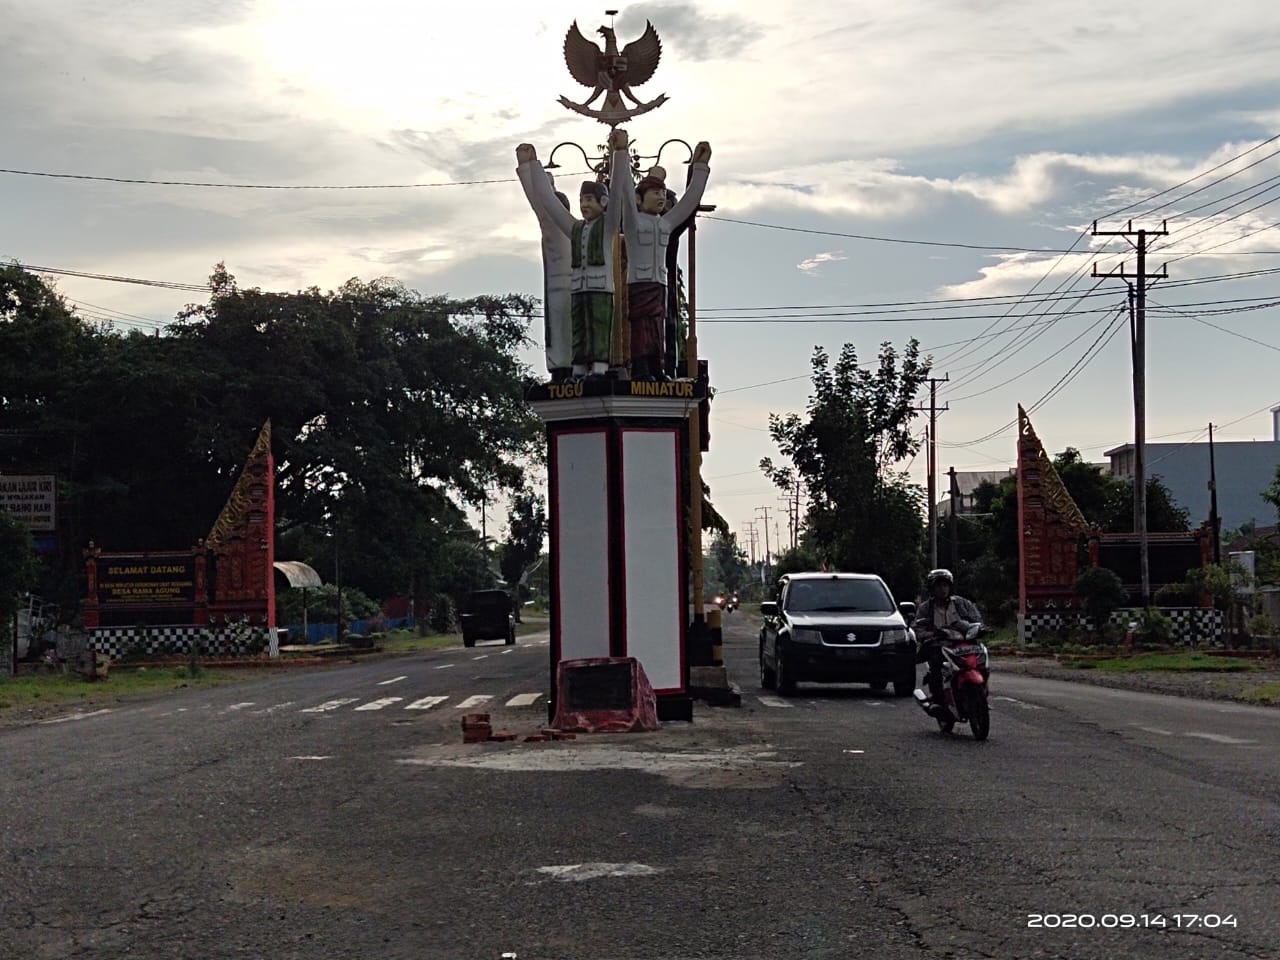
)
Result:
{"points": [[298, 573]]}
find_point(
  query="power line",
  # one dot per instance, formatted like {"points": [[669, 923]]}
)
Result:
{"points": [[264, 186], [860, 236]]}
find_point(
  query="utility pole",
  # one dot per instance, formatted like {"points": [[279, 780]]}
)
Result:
{"points": [[766, 538], [749, 528], [1138, 342], [954, 497], [934, 410], [1215, 522]]}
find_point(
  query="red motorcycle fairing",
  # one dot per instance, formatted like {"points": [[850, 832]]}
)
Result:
{"points": [[970, 678]]}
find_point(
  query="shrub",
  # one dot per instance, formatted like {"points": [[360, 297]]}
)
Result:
{"points": [[1154, 627], [1102, 592], [443, 614]]}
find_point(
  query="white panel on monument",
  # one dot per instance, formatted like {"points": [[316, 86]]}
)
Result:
{"points": [[651, 514], [581, 547]]}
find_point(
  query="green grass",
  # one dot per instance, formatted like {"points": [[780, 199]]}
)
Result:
{"points": [[58, 688], [1171, 662], [408, 641], [1267, 694]]}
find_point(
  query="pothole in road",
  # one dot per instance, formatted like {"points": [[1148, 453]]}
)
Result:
{"points": [[732, 767]]}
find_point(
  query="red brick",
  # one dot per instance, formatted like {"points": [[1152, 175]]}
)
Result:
{"points": [[537, 738]]}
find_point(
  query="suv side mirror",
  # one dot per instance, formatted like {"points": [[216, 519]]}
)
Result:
{"points": [[769, 608], [908, 611]]}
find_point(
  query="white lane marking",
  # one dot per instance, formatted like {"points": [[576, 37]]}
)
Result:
{"points": [[875, 703], [773, 701], [483, 656], [383, 683], [474, 701], [426, 703], [594, 871], [508, 650], [1163, 733], [330, 705], [311, 758], [524, 700], [240, 706], [1220, 738], [1022, 703], [274, 709], [446, 666], [75, 716], [379, 704], [853, 751]]}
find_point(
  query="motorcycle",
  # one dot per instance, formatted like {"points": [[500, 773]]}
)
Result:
{"points": [[964, 682]]}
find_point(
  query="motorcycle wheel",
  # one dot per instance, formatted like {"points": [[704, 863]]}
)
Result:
{"points": [[979, 715]]}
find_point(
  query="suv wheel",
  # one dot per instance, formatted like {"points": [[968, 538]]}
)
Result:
{"points": [[468, 641], [768, 679], [786, 680]]}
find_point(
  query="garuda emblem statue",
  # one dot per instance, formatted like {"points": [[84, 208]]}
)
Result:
{"points": [[612, 73]]}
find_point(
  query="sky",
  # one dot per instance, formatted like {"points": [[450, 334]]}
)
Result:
{"points": [[896, 154]]}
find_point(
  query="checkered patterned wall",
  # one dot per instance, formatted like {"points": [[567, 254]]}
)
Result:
{"points": [[1190, 624], [118, 642]]}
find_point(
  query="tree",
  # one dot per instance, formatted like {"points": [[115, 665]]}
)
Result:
{"points": [[18, 570], [795, 560], [1272, 494], [730, 560], [864, 514], [526, 529], [390, 411]]}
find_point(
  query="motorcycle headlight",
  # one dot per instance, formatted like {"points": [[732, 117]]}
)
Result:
{"points": [[895, 636], [799, 635]]}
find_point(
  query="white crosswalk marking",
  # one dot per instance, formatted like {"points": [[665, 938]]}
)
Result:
{"points": [[474, 701], [383, 683], [524, 700], [274, 709], [379, 704], [426, 703], [773, 701], [330, 705]]}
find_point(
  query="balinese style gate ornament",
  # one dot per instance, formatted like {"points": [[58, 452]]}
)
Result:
{"points": [[1051, 529]]}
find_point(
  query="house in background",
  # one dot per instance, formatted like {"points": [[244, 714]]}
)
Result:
{"points": [[1244, 469], [967, 482]]}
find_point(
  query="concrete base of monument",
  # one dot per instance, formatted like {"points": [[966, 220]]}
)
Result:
{"points": [[712, 685], [676, 706]]}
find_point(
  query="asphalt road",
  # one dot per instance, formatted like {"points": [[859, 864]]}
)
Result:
{"points": [[337, 814]]}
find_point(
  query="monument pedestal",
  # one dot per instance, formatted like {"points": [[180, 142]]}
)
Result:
{"points": [[617, 505]]}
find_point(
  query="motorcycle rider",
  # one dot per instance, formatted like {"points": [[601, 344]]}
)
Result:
{"points": [[943, 610]]}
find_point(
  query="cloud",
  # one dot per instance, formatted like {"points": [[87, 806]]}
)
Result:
{"points": [[810, 266], [693, 35]]}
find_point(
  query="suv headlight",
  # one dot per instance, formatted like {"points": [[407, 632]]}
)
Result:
{"points": [[895, 636], [799, 635]]}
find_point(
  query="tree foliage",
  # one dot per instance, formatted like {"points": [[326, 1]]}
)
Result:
{"points": [[864, 514], [730, 562], [390, 410], [18, 569], [526, 529]]}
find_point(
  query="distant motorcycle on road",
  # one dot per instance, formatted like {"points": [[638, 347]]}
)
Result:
{"points": [[964, 682]]}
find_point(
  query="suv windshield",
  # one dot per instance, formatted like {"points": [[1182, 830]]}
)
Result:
{"points": [[811, 596]]}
